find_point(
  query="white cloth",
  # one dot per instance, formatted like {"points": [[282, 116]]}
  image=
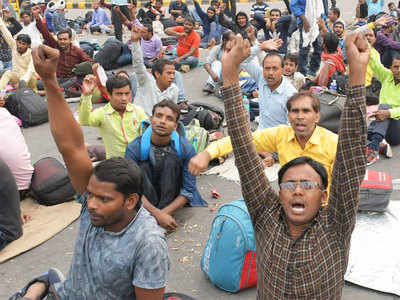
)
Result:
{"points": [[314, 10], [33, 32]]}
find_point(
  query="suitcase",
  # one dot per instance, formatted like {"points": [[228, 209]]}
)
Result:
{"points": [[375, 191]]}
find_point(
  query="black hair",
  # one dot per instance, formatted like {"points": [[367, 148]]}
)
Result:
{"points": [[339, 22], [171, 105], [305, 160], [149, 27], [189, 19], [316, 105], [212, 9], [25, 12], [395, 57], [292, 57], [24, 38], [66, 30], [117, 82], [214, 2], [272, 54], [124, 173], [391, 3], [122, 71], [159, 64], [241, 13], [336, 11], [277, 10], [330, 41]]}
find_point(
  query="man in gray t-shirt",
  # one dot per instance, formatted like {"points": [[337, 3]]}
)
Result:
{"points": [[121, 253]]}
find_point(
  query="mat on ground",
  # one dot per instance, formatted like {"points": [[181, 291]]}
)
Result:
{"points": [[46, 222]]}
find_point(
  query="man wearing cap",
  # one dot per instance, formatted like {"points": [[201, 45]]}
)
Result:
{"points": [[385, 44]]}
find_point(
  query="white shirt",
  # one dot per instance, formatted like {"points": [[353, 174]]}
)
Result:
{"points": [[33, 32], [148, 94]]}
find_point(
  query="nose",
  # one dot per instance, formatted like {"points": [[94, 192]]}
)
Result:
{"points": [[298, 190], [92, 203]]}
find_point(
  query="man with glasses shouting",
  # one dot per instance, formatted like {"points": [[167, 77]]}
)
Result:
{"points": [[302, 247]]}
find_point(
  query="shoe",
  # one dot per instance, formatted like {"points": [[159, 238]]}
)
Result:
{"points": [[385, 149], [55, 275], [372, 156], [208, 88], [185, 68]]}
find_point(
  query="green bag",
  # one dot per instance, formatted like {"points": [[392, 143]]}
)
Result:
{"points": [[196, 135]]}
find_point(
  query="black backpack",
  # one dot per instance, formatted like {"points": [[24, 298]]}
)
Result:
{"points": [[109, 53], [210, 117], [28, 106], [342, 82], [50, 183]]}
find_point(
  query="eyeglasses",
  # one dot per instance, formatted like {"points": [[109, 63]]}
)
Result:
{"points": [[305, 185]]}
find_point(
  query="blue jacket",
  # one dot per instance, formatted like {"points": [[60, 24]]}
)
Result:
{"points": [[184, 149], [49, 19], [206, 21]]}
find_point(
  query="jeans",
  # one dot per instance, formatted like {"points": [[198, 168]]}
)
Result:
{"points": [[212, 34], [388, 129], [193, 13], [303, 54], [62, 82], [191, 61], [116, 20], [125, 58]]}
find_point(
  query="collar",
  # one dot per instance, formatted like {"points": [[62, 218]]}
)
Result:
{"points": [[315, 138], [109, 110], [281, 88]]}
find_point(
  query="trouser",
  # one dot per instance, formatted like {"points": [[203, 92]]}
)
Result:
{"points": [[303, 54], [193, 13], [102, 29], [191, 61], [62, 82], [379, 130], [13, 77], [212, 34], [216, 66], [125, 58], [117, 22]]}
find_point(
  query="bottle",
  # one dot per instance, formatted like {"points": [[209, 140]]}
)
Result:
{"points": [[246, 103], [333, 86]]}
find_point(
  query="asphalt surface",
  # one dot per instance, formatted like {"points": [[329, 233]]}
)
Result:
{"points": [[187, 242]]}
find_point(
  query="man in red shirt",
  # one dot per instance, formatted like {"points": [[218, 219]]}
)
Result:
{"points": [[187, 49], [70, 55]]}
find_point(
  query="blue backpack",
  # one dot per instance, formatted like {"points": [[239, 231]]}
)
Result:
{"points": [[229, 258]]}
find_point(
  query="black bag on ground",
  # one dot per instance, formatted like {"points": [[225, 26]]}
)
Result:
{"points": [[28, 106], [109, 53], [373, 91], [342, 82], [375, 191], [88, 17], [210, 117], [332, 106], [87, 47], [50, 183]]}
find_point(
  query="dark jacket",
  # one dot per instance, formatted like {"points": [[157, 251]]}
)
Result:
{"points": [[234, 26]]}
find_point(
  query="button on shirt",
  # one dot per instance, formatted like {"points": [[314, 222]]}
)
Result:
{"points": [[148, 94], [273, 110], [107, 265]]}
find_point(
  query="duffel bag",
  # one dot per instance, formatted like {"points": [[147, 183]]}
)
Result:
{"points": [[196, 135], [210, 117], [375, 191], [109, 53], [229, 257], [332, 106], [50, 183]]}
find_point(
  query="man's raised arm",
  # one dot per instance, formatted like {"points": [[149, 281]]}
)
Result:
{"points": [[350, 164], [64, 128], [256, 189]]}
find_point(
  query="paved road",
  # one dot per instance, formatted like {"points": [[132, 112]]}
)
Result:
{"points": [[188, 241]]}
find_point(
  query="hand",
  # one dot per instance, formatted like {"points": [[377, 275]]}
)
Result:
{"points": [[320, 23], [215, 78], [177, 60], [165, 220], [199, 163], [45, 61], [268, 159], [381, 115], [25, 218], [273, 23], [306, 25], [135, 35], [271, 45], [211, 43], [182, 34], [250, 33], [36, 11], [357, 51], [88, 84], [267, 22], [382, 21]]}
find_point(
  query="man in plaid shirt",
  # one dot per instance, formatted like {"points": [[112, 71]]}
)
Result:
{"points": [[302, 247]]}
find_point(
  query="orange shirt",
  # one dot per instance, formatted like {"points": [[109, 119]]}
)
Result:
{"points": [[185, 43]]}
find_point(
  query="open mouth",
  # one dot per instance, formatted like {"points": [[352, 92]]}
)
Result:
{"points": [[298, 207]]}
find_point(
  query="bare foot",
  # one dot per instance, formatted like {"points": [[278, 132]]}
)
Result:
{"points": [[25, 218]]}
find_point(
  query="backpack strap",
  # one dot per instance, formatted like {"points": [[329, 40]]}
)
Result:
{"points": [[145, 142]]}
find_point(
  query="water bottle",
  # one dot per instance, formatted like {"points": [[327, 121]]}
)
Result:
{"points": [[246, 103], [333, 86]]}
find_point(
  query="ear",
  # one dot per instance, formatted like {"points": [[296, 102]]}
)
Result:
{"points": [[324, 198], [318, 117], [131, 201], [157, 74]]}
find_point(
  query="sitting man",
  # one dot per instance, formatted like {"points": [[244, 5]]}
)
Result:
{"points": [[119, 120], [70, 55], [386, 45], [120, 252], [258, 12], [301, 138], [290, 71], [154, 88], [164, 155], [187, 49], [100, 21], [211, 28], [332, 59], [151, 45], [29, 28], [339, 30], [302, 248], [177, 8], [387, 119], [21, 60]]}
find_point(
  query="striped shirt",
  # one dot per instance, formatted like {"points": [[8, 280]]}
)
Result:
{"points": [[259, 8], [313, 266]]}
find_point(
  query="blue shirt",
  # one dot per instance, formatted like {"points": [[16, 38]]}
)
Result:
{"points": [[99, 18], [375, 8], [49, 19], [59, 21], [207, 22], [273, 110], [107, 265], [298, 8], [119, 2]]}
